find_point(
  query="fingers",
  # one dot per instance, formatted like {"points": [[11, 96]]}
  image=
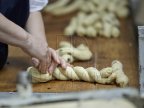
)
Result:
{"points": [[43, 67], [55, 56], [50, 62], [63, 63], [45, 64], [58, 59], [52, 67], [35, 62], [40, 65]]}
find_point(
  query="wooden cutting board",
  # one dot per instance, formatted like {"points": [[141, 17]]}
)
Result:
{"points": [[104, 51]]}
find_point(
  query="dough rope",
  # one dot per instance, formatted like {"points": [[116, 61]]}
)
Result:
{"points": [[93, 25], [56, 5], [107, 75], [100, 17], [70, 54], [61, 7], [121, 78]]}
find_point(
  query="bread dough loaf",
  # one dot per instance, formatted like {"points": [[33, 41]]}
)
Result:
{"points": [[95, 17], [107, 75], [70, 53]]}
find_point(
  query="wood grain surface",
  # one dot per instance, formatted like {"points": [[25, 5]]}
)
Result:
{"points": [[104, 51]]}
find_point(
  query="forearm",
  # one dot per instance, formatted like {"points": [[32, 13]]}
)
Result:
{"points": [[35, 26], [11, 33]]}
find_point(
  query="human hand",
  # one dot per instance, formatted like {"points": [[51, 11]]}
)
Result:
{"points": [[55, 61], [37, 48], [47, 58]]}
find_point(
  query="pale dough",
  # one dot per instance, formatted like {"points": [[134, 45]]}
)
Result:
{"points": [[107, 75], [70, 53], [95, 17]]}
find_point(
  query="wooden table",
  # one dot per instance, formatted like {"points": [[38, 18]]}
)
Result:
{"points": [[104, 51]]}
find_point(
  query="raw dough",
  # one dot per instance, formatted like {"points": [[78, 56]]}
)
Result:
{"points": [[95, 17], [105, 76], [69, 53]]}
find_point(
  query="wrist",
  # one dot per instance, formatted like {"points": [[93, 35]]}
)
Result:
{"points": [[26, 42]]}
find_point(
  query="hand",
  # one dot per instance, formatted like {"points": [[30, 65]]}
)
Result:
{"points": [[53, 64], [37, 48], [47, 58]]}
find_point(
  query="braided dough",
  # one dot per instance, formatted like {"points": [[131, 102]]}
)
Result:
{"points": [[61, 7], [93, 25], [70, 54], [107, 75], [95, 17]]}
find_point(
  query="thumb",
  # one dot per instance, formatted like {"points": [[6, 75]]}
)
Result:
{"points": [[35, 62]]}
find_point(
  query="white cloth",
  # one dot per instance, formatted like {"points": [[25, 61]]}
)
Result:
{"points": [[37, 5]]}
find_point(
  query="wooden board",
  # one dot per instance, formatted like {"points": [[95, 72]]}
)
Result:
{"points": [[104, 51]]}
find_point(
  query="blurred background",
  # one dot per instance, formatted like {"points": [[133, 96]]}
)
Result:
{"points": [[138, 10]]}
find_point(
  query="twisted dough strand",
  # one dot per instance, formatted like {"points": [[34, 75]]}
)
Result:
{"points": [[76, 73], [105, 76], [121, 78], [70, 53]]}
